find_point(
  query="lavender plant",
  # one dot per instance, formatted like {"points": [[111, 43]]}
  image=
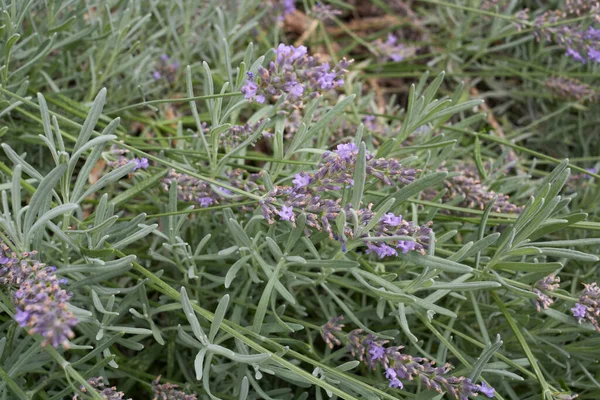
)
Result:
{"points": [[271, 200]]}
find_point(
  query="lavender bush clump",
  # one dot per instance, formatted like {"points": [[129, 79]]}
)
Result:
{"points": [[571, 89], [41, 304], [581, 41], [189, 191], [474, 194], [294, 74], [398, 366]]}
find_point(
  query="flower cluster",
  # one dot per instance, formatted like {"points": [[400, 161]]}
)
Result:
{"points": [[279, 9], [108, 393], [194, 190], [399, 367], [329, 329], [323, 12], [237, 134], [581, 42], [41, 304], [392, 50], [588, 306], [467, 186], [547, 284], [169, 391], [140, 163], [165, 69], [571, 89], [335, 173], [294, 74]]}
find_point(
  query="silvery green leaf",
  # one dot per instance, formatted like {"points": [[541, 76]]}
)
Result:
{"points": [[91, 120], [42, 195], [199, 363], [335, 264], [143, 232], [435, 262], [244, 388], [296, 232], [99, 306], [238, 233], [219, 316], [261, 309], [110, 177], [187, 339], [191, 317], [46, 217], [464, 286], [360, 176], [274, 248], [249, 358], [416, 187], [233, 270], [404, 323], [568, 253], [228, 251], [129, 329], [486, 354]]}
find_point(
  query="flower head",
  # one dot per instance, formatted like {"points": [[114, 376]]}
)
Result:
{"points": [[286, 213], [140, 163], [579, 311], [486, 390], [301, 180]]}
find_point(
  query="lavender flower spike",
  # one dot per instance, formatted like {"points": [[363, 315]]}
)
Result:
{"points": [[588, 307], [169, 391], [329, 329], [108, 393], [398, 366]]}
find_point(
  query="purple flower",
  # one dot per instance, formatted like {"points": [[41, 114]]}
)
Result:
{"points": [[301, 180], [156, 75], [487, 390], [574, 54], [376, 351], [382, 250], [405, 246], [390, 373], [22, 317], [391, 49], [42, 305], [164, 57], [286, 213], [396, 383], [205, 201], [249, 90], [592, 33], [297, 90], [290, 52], [140, 163], [288, 7], [293, 74], [346, 151], [592, 170], [579, 311], [392, 219], [594, 54]]}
